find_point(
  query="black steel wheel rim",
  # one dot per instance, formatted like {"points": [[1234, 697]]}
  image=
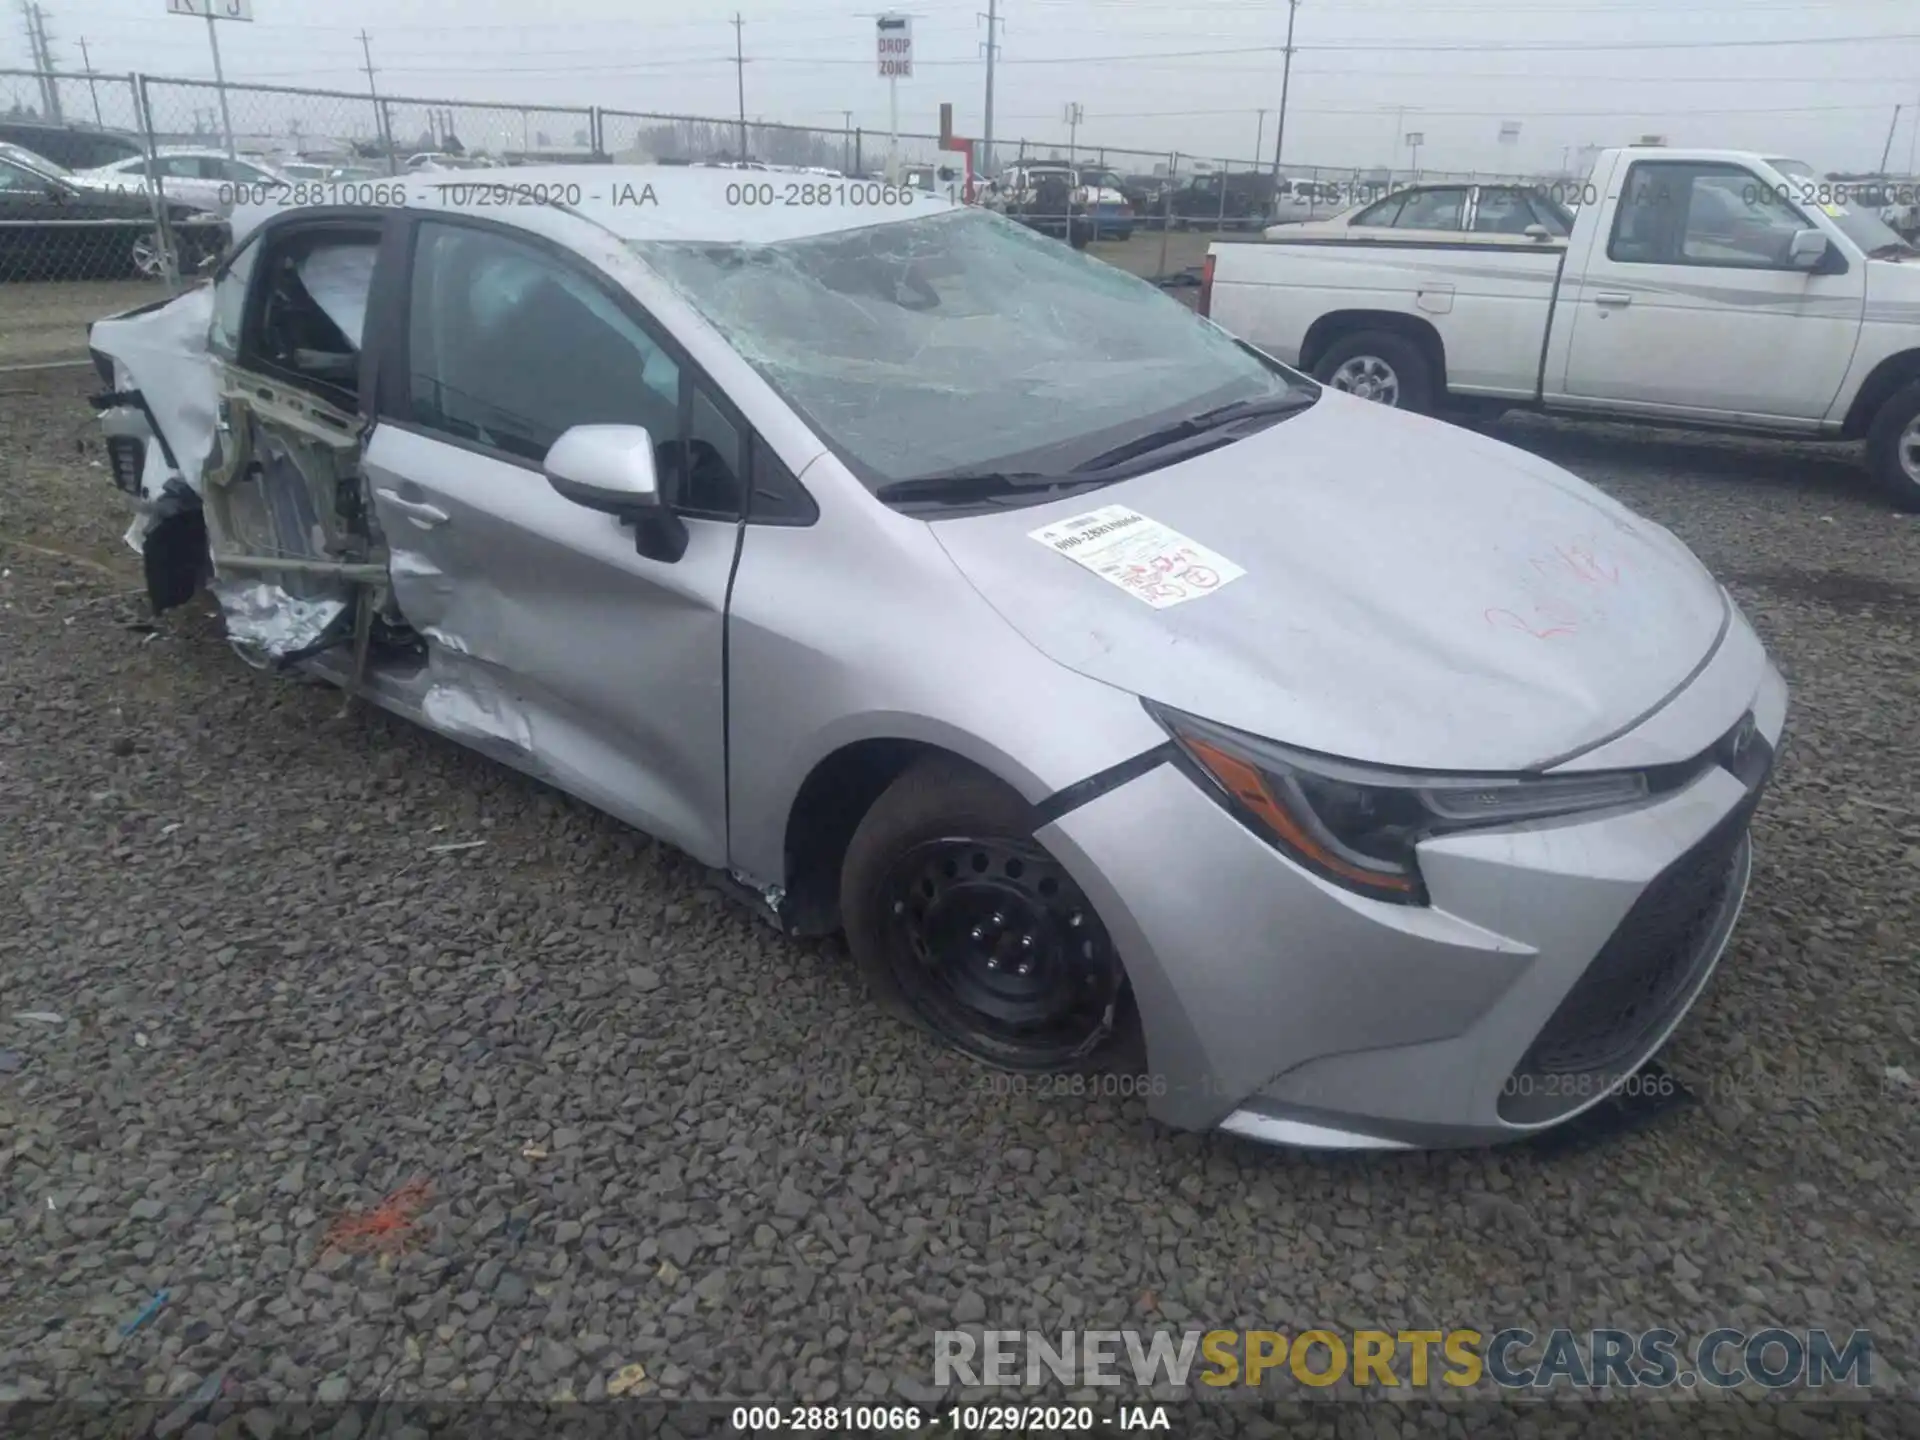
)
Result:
{"points": [[995, 945]]}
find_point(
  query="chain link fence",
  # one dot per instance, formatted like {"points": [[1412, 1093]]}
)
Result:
{"points": [[121, 186]]}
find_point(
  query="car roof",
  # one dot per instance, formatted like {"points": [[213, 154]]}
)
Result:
{"points": [[640, 202]]}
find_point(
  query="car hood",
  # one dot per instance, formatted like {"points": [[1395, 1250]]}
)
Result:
{"points": [[1414, 595]]}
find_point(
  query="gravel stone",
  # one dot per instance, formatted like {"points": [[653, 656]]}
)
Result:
{"points": [[640, 1109]]}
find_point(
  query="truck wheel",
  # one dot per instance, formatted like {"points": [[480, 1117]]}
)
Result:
{"points": [[1893, 447], [961, 922], [1381, 366]]}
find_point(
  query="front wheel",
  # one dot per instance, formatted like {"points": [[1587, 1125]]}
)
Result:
{"points": [[1893, 447], [962, 922], [1381, 366]]}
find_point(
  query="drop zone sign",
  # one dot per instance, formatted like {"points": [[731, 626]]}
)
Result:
{"points": [[894, 35]]}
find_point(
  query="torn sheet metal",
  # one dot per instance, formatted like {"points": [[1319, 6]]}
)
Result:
{"points": [[163, 354], [268, 621], [1143, 557]]}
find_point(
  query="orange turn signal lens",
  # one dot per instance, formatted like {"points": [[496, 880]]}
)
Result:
{"points": [[1248, 786]]}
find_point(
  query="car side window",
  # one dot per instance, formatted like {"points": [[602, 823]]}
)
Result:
{"points": [[230, 302], [1383, 213], [1433, 210], [510, 346], [1502, 211], [1685, 213], [313, 307], [778, 498], [13, 177], [1732, 219]]}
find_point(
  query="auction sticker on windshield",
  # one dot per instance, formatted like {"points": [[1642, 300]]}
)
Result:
{"points": [[1143, 557]]}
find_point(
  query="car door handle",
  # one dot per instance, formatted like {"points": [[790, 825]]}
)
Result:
{"points": [[418, 511], [1612, 298]]}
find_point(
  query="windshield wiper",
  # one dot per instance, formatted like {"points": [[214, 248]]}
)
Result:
{"points": [[1189, 426], [966, 485]]}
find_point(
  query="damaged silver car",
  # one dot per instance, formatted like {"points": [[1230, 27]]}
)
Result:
{"points": [[1338, 777]]}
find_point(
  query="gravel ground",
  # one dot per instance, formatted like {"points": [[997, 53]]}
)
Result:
{"points": [[656, 1132]]}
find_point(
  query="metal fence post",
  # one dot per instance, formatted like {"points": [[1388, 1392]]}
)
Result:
{"points": [[1220, 224], [162, 222], [597, 132], [859, 165]]}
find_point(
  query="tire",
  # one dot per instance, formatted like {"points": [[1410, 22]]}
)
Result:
{"points": [[1893, 447], [1381, 366], [945, 896]]}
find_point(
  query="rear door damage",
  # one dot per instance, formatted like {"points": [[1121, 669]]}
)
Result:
{"points": [[235, 418]]}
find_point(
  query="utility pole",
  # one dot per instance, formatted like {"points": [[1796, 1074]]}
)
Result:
{"points": [[40, 66], [1259, 135], [1887, 149], [740, 78], [92, 87], [993, 46], [382, 129], [1286, 76], [220, 81], [1074, 113], [43, 53]]}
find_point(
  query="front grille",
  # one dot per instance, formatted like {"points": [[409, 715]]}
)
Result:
{"points": [[1647, 968]]}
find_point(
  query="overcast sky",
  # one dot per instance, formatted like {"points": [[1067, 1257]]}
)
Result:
{"points": [[1813, 78]]}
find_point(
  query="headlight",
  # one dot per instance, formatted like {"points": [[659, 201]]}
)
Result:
{"points": [[1356, 825]]}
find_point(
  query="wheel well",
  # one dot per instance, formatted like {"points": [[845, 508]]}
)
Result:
{"points": [[1888, 376], [832, 801], [1328, 328]]}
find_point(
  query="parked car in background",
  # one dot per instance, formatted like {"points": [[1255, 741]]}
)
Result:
{"points": [[1421, 214], [1128, 699], [1707, 288], [949, 182], [210, 179], [76, 147], [1235, 200], [308, 169], [52, 228], [1104, 200], [445, 160], [1043, 196]]}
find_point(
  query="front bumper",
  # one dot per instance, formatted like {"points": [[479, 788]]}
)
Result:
{"points": [[1553, 960]]}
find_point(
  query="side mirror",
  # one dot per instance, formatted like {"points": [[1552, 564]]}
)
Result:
{"points": [[605, 467], [1537, 231], [610, 468], [1808, 249]]}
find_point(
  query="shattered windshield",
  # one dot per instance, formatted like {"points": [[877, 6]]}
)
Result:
{"points": [[961, 340]]}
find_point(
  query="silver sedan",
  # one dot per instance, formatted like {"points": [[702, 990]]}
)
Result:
{"points": [[1129, 701]]}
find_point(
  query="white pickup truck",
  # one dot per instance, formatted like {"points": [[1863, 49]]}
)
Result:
{"points": [[1711, 288]]}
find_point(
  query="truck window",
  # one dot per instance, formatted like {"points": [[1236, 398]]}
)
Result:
{"points": [[1433, 210], [1698, 213]]}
